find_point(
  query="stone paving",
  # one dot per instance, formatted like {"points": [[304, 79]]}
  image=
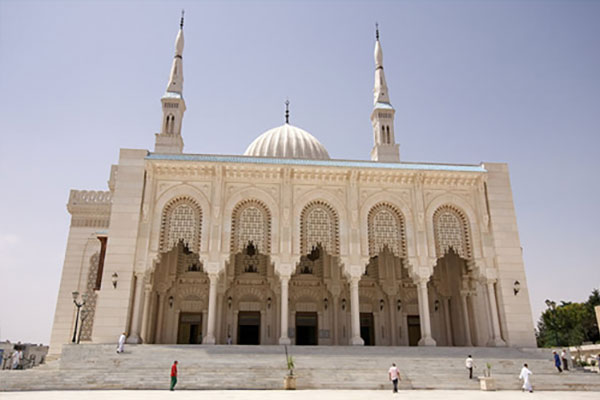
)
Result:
{"points": [[294, 395]]}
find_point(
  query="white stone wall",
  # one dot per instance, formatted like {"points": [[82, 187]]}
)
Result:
{"points": [[113, 307], [142, 188], [515, 310]]}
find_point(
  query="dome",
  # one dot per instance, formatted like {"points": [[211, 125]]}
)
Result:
{"points": [[287, 141]]}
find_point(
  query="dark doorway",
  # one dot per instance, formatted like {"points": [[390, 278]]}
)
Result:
{"points": [[190, 328], [249, 327], [367, 331], [306, 329], [414, 329]]}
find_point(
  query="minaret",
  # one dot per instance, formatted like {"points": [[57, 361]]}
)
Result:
{"points": [[382, 118], [169, 139]]}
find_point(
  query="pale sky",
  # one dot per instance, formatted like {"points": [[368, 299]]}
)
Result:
{"points": [[471, 81]]}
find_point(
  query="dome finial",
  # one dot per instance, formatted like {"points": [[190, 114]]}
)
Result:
{"points": [[181, 22], [376, 31], [287, 111]]}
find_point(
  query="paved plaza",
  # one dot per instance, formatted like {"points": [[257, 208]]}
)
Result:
{"points": [[293, 395]]}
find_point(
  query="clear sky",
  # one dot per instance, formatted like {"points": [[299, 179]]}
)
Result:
{"points": [[471, 81]]}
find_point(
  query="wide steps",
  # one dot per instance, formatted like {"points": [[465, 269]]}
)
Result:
{"points": [[263, 367]]}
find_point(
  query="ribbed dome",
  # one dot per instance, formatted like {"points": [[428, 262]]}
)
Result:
{"points": [[287, 141]]}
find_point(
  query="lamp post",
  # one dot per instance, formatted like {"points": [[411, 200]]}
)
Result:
{"points": [[78, 305], [552, 307], [84, 315]]}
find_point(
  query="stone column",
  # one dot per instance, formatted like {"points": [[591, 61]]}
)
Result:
{"points": [[426, 338], [467, 324], [448, 324], [496, 335], [136, 317], [355, 340], [336, 310], [212, 309], [393, 327], [159, 320], [146, 314], [283, 338]]}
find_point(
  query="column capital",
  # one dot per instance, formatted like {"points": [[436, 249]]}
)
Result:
{"points": [[354, 271], [421, 275], [284, 270], [212, 267]]}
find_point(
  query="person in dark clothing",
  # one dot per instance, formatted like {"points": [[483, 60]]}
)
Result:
{"points": [[557, 361]]}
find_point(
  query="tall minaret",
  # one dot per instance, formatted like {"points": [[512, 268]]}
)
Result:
{"points": [[382, 117], [169, 139]]}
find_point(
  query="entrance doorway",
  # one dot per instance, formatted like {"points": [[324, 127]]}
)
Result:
{"points": [[414, 329], [249, 327], [306, 329], [367, 331], [190, 328]]}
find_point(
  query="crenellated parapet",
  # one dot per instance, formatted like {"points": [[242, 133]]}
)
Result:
{"points": [[89, 208]]}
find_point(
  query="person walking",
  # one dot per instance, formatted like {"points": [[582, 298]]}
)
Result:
{"points": [[565, 360], [121, 345], [469, 365], [173, 375], [394, 375], [17, 356], [525, 374], [556, 361]]}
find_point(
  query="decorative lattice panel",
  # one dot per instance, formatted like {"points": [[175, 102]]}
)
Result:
{"points": [[181, 221], [251, 223], [319, 226], [386, 229], [451, 231], [90, 304]]}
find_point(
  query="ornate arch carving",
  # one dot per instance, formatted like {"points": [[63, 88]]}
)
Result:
{"points": [[181, 220], [251, 221], [386, 228], [319, 225], [451, 230], [245, 293]]}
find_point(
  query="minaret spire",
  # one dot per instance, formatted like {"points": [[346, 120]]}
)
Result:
{"points": [[287, 111], [382, 117], [169, 139]]}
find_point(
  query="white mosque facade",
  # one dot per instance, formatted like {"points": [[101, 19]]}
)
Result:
{"points": [[284, 245]]}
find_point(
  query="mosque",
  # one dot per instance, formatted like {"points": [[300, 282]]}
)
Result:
{"points": [[284, 245]]}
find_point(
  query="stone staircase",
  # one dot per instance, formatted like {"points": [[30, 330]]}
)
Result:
{"points": [[92, 366]]}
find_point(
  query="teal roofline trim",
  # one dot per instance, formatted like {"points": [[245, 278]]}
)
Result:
{"points": [[318, 163]]}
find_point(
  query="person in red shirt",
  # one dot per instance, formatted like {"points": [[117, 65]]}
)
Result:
{"points": [[173, 375]]}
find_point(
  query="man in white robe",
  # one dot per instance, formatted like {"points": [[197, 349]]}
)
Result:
{"points": [[525, 374], [17, 356], [121, 345]]}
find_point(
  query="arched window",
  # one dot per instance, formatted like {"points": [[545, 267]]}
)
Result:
{"points": [[389, 139], [251, 223], [382, 140], [451, 230], [319, 226], [181, 220], [386, 229]]}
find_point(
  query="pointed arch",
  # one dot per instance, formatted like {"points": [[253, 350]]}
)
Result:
{"points": [[319, 224], [251, 222], [451, 231], [386, 228], [181, 220]]}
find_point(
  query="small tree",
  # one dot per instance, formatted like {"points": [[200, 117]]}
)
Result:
{"points": [[289, 362]]}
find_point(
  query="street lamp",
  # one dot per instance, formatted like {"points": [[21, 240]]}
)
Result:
{"points": [[78, 305], [84, 314]]}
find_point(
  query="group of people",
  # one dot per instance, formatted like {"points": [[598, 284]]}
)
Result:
{"points": [[524, 375], [561, 360]]}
